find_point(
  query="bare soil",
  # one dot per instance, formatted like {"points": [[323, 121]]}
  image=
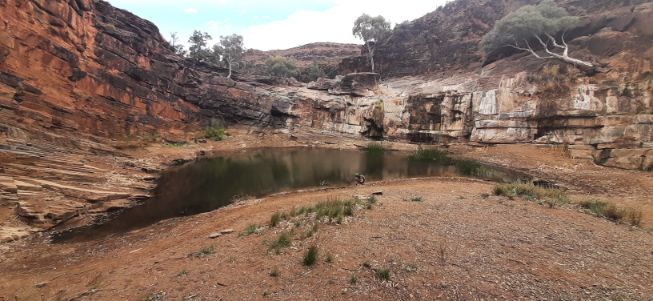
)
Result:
{"points": [[460, 242]]}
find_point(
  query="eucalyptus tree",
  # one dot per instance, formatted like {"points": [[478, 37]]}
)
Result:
{"points": [[230, 51], [198, 49], [544, 24], [371, 30]]}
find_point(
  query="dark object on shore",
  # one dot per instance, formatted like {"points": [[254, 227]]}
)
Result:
{"points": [[360, 179]]}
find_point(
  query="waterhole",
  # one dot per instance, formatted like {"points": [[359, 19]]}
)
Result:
{"points": [[207, 184]]}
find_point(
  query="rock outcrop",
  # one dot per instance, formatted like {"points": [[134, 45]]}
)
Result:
{"points": [[83, 78]]}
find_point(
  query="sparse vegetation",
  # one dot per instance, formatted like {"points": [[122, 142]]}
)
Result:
{"points": [[383, 274], [311, 73], [251, 229], [609, 211], [283, 241], [183, 273], [353, 280], [551, 197], [375, 148], [280, 67], [328, 258], [203, 252], [310, 256], [274, 272], [275, 219], [215, 131], [471, 168], [431, 155], [416, 199]]}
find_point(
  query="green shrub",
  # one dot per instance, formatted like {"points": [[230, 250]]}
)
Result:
{"points": [[251, 229], [310, 256], [283, 241], [471, 168], [431, 155], [613, 213], [383, 274], [375, 148], [275, 219], [203, 252], [215, 133], [532, 193]]}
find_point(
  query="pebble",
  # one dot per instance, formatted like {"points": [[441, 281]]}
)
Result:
{"points": [[227, 231], [41, 284]]}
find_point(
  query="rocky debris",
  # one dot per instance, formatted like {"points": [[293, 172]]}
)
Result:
{"points": [[9, 233], [356, 84], [215, 235], [227, 231], [323, 84]]}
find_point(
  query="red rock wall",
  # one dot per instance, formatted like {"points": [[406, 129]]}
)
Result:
{"points": [[85, 67]]}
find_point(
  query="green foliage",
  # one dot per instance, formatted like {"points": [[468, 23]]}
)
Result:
{"points": [[229, 51], [612, 212], [371, 29], [311, 73], [383, 274], [198, 50], [280, 67], [526, 23], [551, 197], [310, 256], [353, 280], [471, 168], [375, 148], [215, 131], [275, 219], [328, 258], [431, 155], [251, 229], [203, 252], [283, 241]]}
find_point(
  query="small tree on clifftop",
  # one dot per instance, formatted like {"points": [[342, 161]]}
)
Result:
{"points": [[176, 46], [198, 49], [230, 50], [371, 30], [535, 24]]}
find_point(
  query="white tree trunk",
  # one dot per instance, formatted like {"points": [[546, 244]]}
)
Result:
{"points": [[229, 63], [552, 55]]}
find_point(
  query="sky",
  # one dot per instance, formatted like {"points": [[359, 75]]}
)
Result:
{"points": [[272, 24]]}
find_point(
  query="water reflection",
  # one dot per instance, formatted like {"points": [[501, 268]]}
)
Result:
{"points": [[208, 184]]}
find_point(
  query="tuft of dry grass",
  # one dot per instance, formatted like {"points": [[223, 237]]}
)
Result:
{"points": [[609, 211], [550, 196]]}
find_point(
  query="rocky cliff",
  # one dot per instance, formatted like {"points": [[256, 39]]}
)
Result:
{"points": [[80, 77], [327, 55], [454, 93]]}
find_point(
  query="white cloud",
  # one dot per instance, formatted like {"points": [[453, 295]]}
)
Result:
{"points": [[190, 10], [333, 24]]}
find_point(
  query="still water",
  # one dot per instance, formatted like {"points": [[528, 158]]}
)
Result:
{"points": [[211, 183]]}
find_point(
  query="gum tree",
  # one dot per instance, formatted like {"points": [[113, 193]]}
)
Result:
{"points": [[371, 30], [544, 24], [198, 50], [177, 47], [230, 50]]}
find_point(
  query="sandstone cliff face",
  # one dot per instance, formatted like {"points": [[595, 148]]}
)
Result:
{"points": [[79, 76], [519, 99]]}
